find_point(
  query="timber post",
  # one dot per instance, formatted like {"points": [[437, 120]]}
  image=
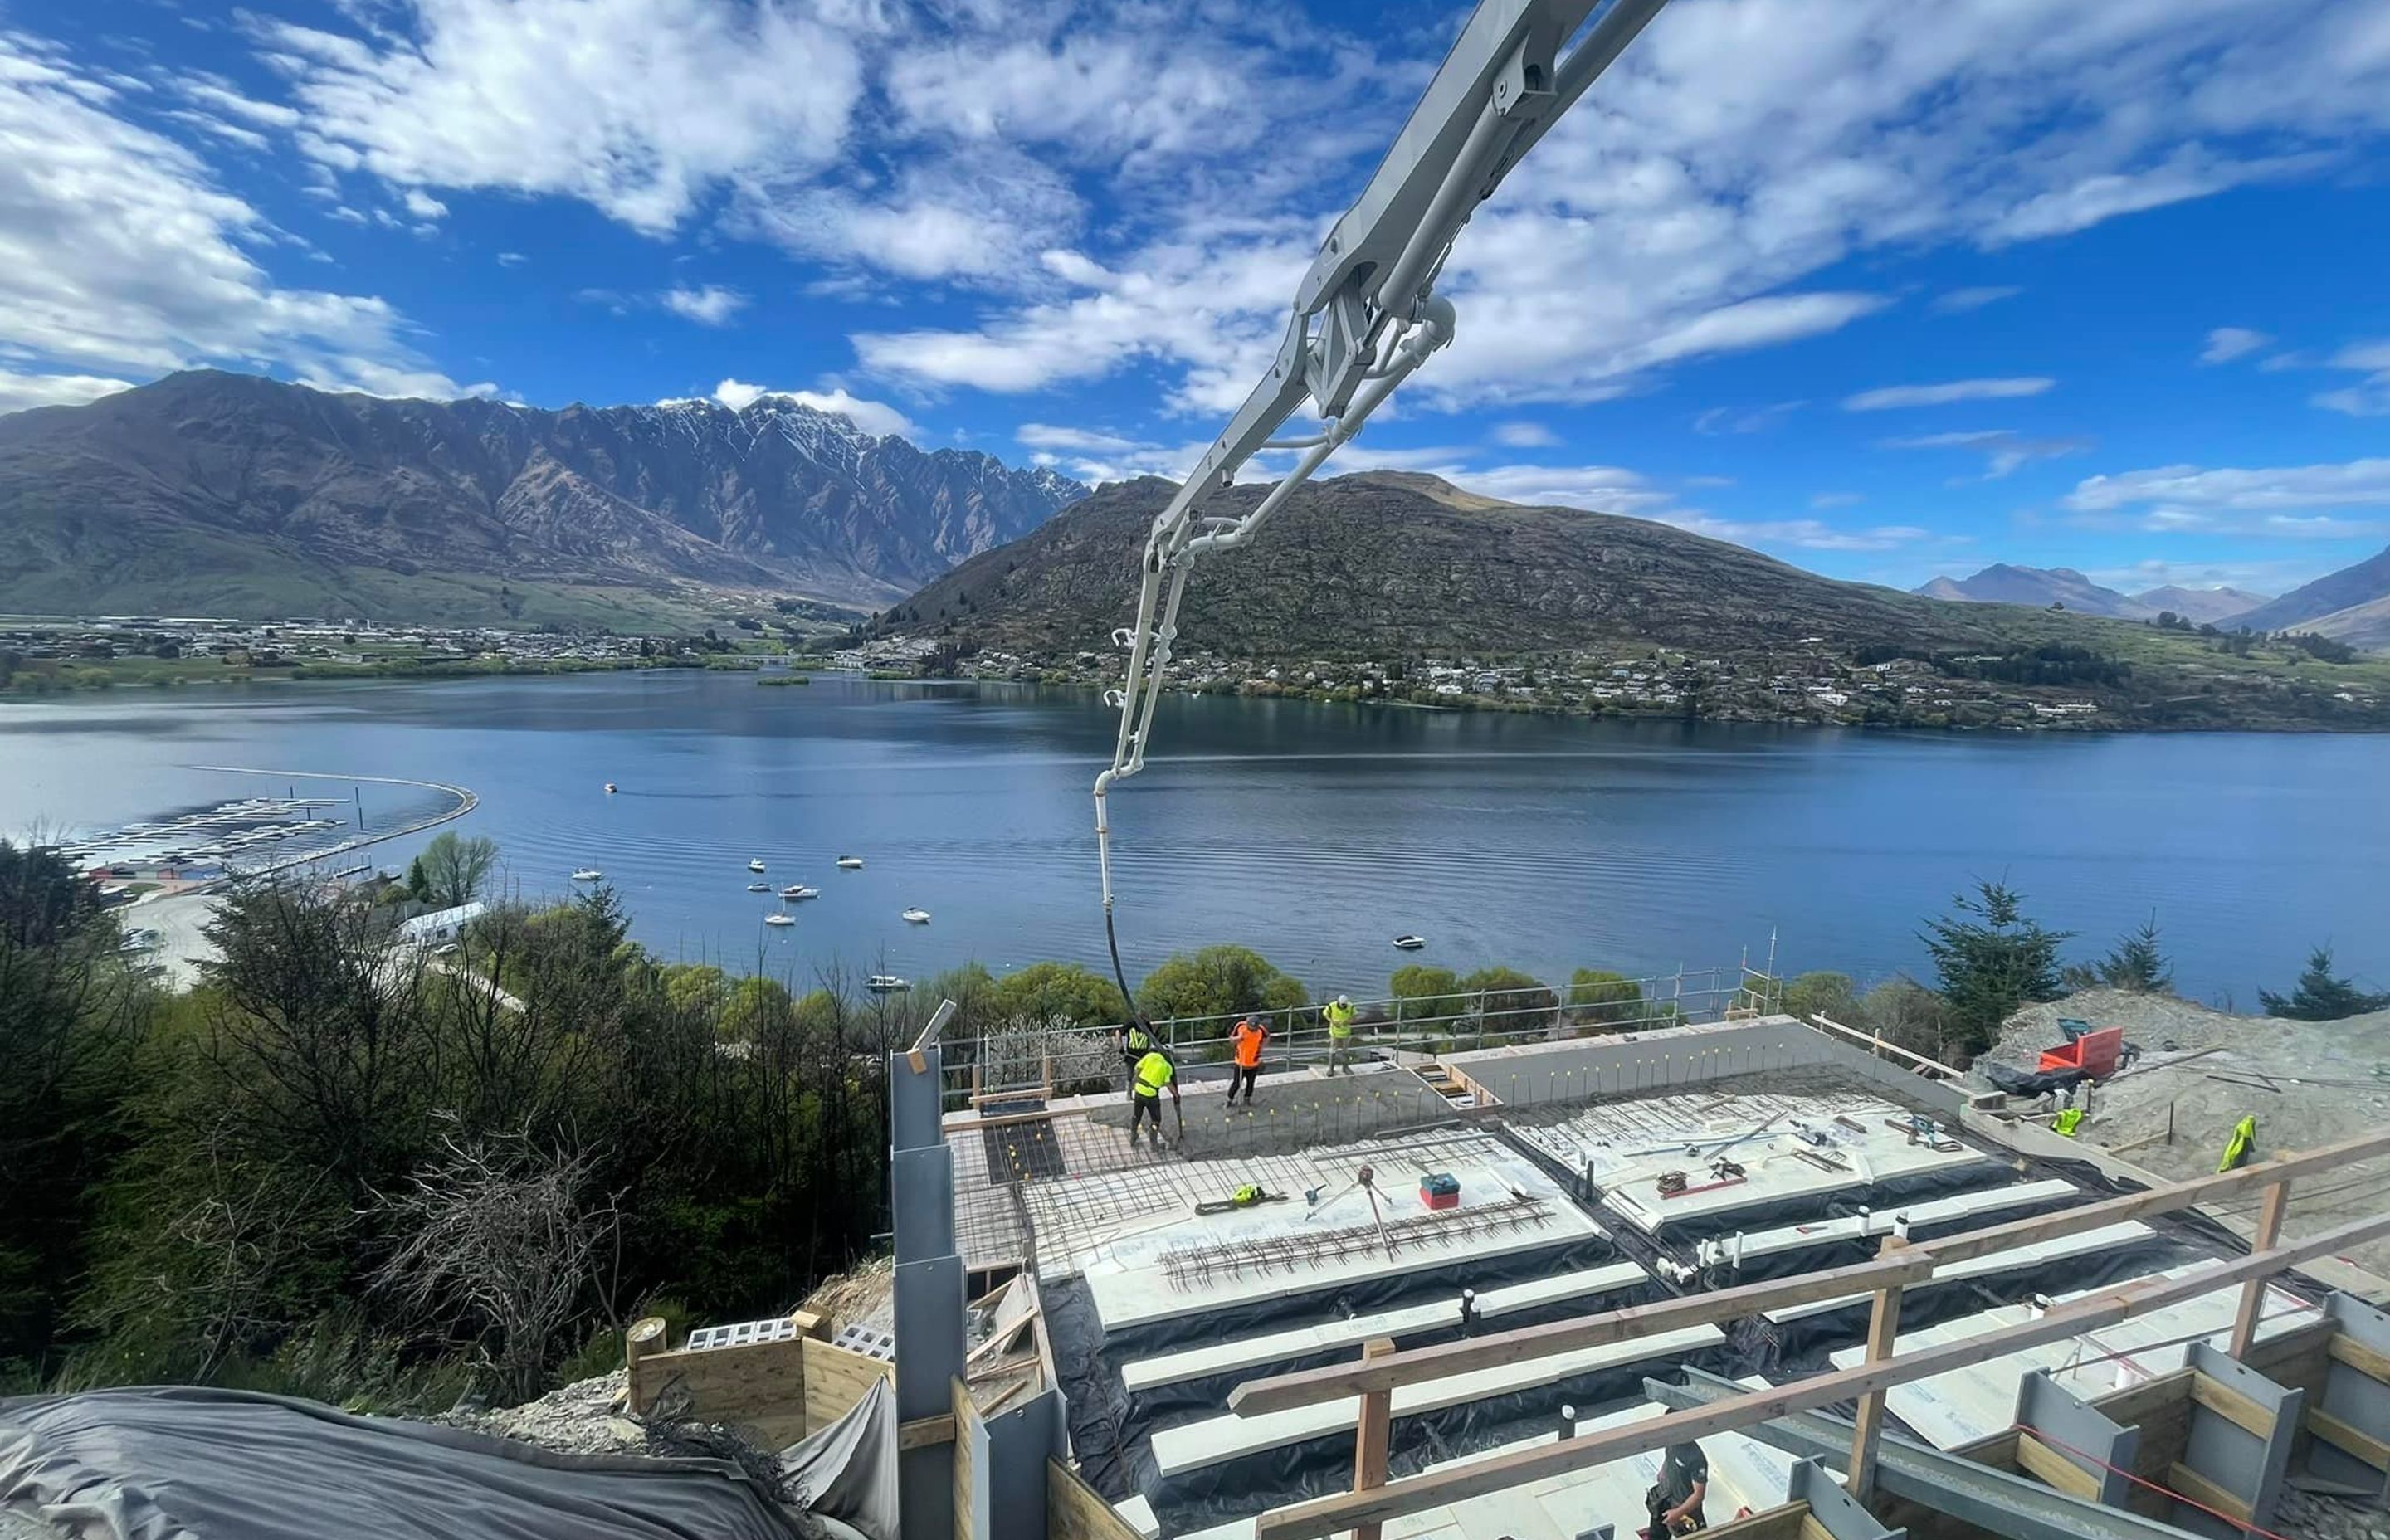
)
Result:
{"points": [[1372, 1435], [1883, 1327], [2253, 1293]]}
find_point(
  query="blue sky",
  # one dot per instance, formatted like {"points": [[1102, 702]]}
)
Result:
{"points": [[1882, 289]]}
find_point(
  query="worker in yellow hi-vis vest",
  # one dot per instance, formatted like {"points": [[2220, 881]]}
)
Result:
{"points": [[1338, 1013], [1154, 1074]]}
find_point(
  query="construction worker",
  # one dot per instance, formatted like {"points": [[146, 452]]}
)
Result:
{"points": [[1136, 1040], [1675, 1500], [1153, 1073], [1338, 1013], [1246, 1040]]}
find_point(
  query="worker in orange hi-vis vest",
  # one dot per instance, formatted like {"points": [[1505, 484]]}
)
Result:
{"points": [[1247, 1040]]}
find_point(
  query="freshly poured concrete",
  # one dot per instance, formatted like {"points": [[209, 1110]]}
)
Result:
{"points": [[1858, 1226], [1130, 1287], [1743, 1473], [1216, 1440], [1626, 1146], [1957, 1409], [2016, 1259], [1278, 1347]]}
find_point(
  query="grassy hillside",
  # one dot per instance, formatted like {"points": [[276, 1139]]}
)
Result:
{"points": [[1363, 580]]}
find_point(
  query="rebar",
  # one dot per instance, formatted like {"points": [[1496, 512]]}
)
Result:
{"points": [[1260, 1256]]}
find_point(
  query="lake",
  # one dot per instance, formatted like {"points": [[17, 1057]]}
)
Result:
{"points": [[1313, 833]]}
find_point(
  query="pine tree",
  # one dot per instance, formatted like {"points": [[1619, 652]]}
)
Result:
{"points": [[2136, 964], [2321, 996], [1990, 959]]}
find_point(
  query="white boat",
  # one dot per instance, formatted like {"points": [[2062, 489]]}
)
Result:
{"points": [[850, 863], [777, 919], [916, 917], [759, 887], [886, 983], [1410, 943], [755, 865], [587, 874], [795, 891]]}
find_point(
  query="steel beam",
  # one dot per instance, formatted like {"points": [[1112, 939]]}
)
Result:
{"points": [[2015, 1507]]}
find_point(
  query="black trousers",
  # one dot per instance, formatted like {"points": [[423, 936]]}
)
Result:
{"points": [[1138, 1106], [1244, 1075]]}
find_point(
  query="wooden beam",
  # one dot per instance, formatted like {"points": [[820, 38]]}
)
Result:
{"points": [[923, 1431], [1883, 1327], [2190, 1484], [1309, 1387], [2344, 1349], [2232, 1407], [2344, 1436], [1874, 1042], [2169, 1199], [1372, 1435], [1336, 1382], [1326, 1516], [2053, 1470], [2253, 1293]]}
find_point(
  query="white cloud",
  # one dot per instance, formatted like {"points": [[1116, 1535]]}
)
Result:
{"points": [[1723, 419], [1525, 435], [19, 391], [1895, 397], [2269, 502], [422, 205], [2227, 343], [511, 259], [640, 107], [2004, 451], [1961, 300], [2368, 397], [119, 250], [712, 305], [1825, 500], [876, 418]]}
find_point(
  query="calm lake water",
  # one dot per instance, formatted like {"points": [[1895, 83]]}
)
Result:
{"points": [[1314, 833]]}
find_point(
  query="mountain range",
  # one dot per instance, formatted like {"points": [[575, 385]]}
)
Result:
{"points": [[2352, 606], [2043, 587], [224, 494]]}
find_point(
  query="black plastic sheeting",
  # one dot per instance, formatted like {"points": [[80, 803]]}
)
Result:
{"points": [[189, 1463]]}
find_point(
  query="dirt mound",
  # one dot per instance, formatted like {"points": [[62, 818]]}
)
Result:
{"points": [[2202, 1070]]}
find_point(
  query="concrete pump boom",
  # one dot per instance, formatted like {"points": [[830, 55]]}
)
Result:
{"points": [[1367, 313]]}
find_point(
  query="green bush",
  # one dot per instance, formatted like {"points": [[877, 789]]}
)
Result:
{"points": [[1511, 1001], [1602, 999], [1058, 991], [1822, 993], [1217, 981], [1423, 992]]}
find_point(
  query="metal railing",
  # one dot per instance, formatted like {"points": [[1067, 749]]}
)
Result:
{"points": [[1020, 1060]]}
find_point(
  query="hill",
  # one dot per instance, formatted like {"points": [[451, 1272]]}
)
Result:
{"points": [[224, 494], [2346, 605], [2041, 587], [2201, 606], [1396, 586]]}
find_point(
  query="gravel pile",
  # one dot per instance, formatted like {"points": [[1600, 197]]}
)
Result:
{"points": [[2307, 1082], [2312, 1516], [581, 1419]]}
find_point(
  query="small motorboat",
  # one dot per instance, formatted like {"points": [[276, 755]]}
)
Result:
{"points": [[796, 891], [779, 919], [609, 788], [887, 984], [755, 865], [587, 874], [759, 887], [850, 863], [916, 917], [1410, 943]]}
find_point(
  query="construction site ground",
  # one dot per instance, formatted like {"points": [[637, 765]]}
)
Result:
{"points": [[2202, 1070]]}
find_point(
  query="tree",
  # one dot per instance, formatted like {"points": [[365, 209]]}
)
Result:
{"points": [[1989, 960], [1425, 994], [454, 869], [2135, 964], [1217, 981], [1509, 1000], [1058, 991], [1821, 994], [2321, 995], [1908, 1014], [1604, 998]]}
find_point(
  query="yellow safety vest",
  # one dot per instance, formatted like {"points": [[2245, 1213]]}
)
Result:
{"points": [[1138, 1040], [1153, 1073], [1340, 1020]]}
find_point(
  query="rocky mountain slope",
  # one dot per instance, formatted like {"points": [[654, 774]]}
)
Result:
{"points": [[2351, 605], [2041, 587], [223, 493], [1405, 564]]}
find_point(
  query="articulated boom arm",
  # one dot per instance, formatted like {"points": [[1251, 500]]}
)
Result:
{"points": [[1367, 313]]}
